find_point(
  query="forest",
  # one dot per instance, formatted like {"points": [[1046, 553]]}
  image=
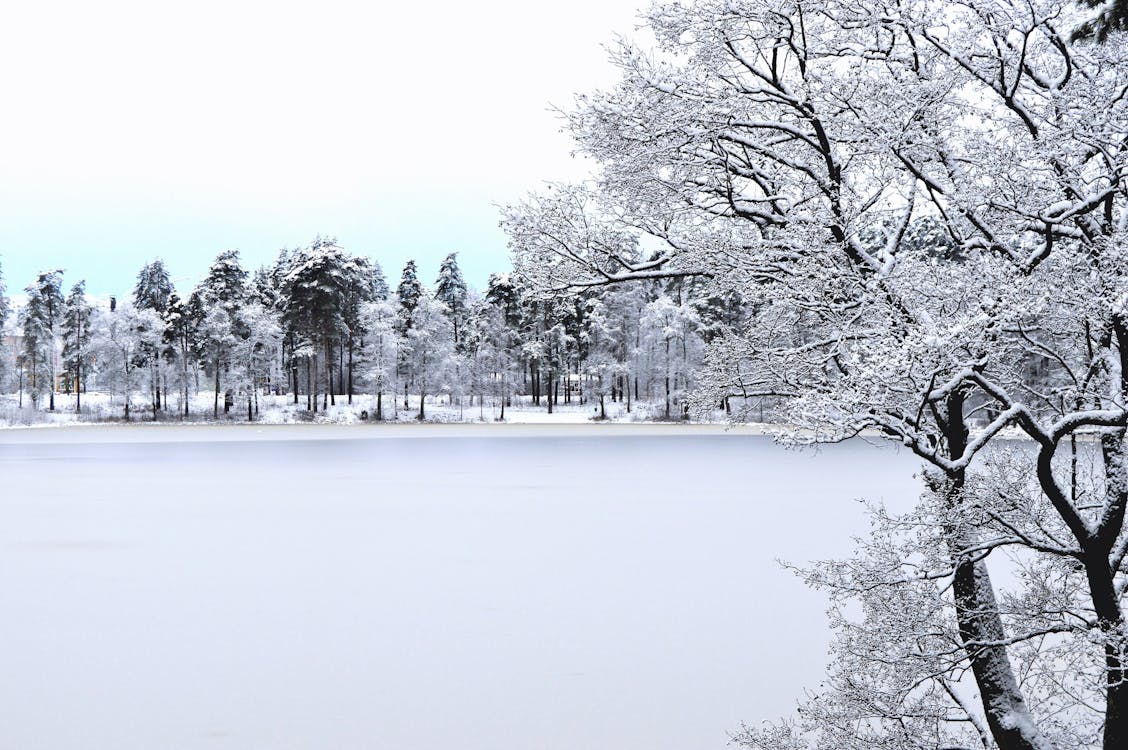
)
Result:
{"points": [[322, 324]]}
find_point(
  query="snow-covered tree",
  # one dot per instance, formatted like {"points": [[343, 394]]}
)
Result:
{"points": [[324, 289], [382, 347], [601, 338], [153, 288], [216, 302], [5, 310], [40, 320], [408, 294], [255, 350], [77, 314], [180, 329], [120, 338], [670, 325], [788, 151], [152, 292], [450, 289], [504, 297], [429, 346]]}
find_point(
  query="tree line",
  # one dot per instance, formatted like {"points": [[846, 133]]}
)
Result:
{"points": [[321, 323]]}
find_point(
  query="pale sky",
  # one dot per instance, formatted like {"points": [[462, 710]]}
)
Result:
{"points": [[135, 130]]}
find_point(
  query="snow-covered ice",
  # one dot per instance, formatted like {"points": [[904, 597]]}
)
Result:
{"points": [[414, 587]]}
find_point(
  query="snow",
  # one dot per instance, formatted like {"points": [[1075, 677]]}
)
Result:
{"points": [[99, 406], [414, 586]]}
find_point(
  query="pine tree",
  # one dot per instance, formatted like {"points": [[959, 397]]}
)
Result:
{"points": [[408, 293], [224, 289], [153, 289], [179, 336], [152, 292], [40, 321], [76, 340], [378, 283], [450, 289], [1111, 16], [324, 290]]}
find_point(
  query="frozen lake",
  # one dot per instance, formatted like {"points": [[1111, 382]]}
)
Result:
{"points": [[414, 588]]}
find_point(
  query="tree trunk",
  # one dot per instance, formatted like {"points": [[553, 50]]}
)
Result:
{"points": [[977, 613], [667, 378], [215, 407], [329, 374]]}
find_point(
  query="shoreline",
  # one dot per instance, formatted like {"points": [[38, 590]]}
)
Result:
{"points": [[239, 432]]}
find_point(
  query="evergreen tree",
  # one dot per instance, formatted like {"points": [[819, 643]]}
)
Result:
{"points": [[324, 290], [450, 289], [224, 291], [179, 336], [378, 282], [225, 284], [152, 292], [153, 288], [1111, 16], [40, 321], [408, 293], [504, 297], [76, 340]]}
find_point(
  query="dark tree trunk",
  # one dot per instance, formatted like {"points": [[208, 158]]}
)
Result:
{"points": [[329, 398], [977, 612]]}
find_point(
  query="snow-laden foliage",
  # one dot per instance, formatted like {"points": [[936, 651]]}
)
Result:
{"points": [[923, 205]]}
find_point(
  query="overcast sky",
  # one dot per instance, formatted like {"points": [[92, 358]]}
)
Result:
{"points": [[136, 130]]}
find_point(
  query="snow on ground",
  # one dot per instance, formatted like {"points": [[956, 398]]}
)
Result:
{"points": [[597, 587], [102, 407]]}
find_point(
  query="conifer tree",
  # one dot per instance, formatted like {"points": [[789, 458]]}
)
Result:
{"points": [[224, 291], [76, 340], [153, 288], [40, 322], [179, 336], [408, 293], [450, 289], [152, 292]]}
